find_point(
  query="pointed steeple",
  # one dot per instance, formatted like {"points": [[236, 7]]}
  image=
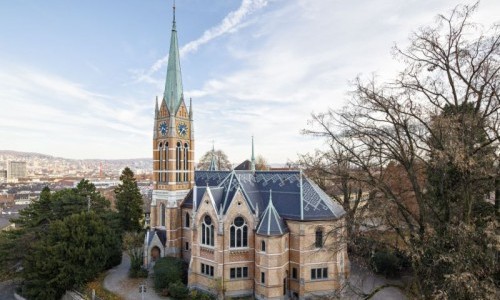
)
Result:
{"points": [[253, 158], [191, 109], [155, 131], [157, 110], [173, 94], [213, 161], [271, 223]]}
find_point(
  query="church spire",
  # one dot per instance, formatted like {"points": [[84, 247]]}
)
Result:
{"points": [[253, 157], [173, 94], [213, 161]]}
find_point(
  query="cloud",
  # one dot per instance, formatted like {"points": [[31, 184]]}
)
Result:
{"points": [[296, 59], [44, 113], [229, 24]]}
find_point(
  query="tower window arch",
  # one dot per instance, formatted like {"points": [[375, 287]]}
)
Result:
{"points": [[239, 233], [162, 214], [207, 231], [160, 162], [263, 246], [165, 161], [186, 162], [178, 164], [186, 220], [319, 238]]}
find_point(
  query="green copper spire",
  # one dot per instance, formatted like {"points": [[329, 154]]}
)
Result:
{"points": [[173, 85]]}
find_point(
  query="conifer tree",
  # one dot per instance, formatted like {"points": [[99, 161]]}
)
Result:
{"points": [[129, 202]]}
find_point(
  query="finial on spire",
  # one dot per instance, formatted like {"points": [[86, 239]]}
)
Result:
{"points": [[253, 157], [173, 7]]}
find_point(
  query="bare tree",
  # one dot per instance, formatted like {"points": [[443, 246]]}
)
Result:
{"points": [[223, 163], [439, 117]]}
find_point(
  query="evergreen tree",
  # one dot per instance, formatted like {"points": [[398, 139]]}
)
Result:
{"points": [[129, 202], [73, 251]]}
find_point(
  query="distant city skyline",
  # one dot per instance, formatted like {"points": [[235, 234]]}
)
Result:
{"points": [[79, 79]]}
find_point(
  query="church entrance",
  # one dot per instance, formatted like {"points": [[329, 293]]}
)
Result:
{"points": [[155, 253]]}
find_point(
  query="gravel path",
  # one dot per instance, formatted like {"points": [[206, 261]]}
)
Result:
{"points": [[118, 282]]}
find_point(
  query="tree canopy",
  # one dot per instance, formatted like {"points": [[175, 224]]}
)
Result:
{"points": [[223, 163], [129, 202], [436, 125], [62, 240]]}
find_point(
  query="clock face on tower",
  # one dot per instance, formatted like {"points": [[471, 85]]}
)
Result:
{"points": [[163, 128], [182, 129]]}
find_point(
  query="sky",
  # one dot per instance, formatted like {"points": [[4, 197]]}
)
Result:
{"points": [[78, 79]]}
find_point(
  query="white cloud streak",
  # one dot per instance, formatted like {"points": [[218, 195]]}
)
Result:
{"points": [[228, 25]]}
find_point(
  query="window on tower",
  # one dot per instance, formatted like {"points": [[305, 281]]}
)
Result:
{"points": [[165, 162], [162, 214], [160, 162], [178, 164], [186, 161]]}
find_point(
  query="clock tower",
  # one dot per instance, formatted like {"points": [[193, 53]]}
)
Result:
{"points": [[173, 152]]}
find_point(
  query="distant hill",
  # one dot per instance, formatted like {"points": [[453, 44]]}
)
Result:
{"points": [[44, 164]]}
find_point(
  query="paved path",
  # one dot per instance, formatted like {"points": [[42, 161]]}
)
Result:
{"points": [[364, 280], [7, 289], [118, 282]]}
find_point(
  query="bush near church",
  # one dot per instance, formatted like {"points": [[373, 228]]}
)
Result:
{"points": [[169, 270]]}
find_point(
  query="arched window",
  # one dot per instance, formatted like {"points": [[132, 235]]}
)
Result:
{"points": [[263, 246], [186, 150], [162, 214], [319, 238], [165, 162], [239, 233], [178, 164], [186, 221], [207, 231], [160, 162]]}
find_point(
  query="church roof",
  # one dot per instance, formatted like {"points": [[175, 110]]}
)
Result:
{"points": [[294, 196], [271, 223], [173, 94]]}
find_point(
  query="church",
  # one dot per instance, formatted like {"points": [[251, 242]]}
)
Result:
{"points": [[264, 234]]}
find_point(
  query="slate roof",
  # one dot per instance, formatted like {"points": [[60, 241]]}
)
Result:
{"points": [[161, 233], [294, 196], [271, 223]]}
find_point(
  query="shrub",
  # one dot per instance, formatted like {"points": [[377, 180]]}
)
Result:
{"points": [[168, 270], [199, 295], [178, 290]]}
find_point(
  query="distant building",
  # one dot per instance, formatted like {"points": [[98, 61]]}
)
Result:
{"points": [[16, 169], [3, 175]]}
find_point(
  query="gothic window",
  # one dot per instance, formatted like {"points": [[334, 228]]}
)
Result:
{"points": [[239, 233], [207, 231], [162, 214], [178, 163], [165, 162], [186, 221], [186, 161], [160, 162], [263, 246], [319, 238]]}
